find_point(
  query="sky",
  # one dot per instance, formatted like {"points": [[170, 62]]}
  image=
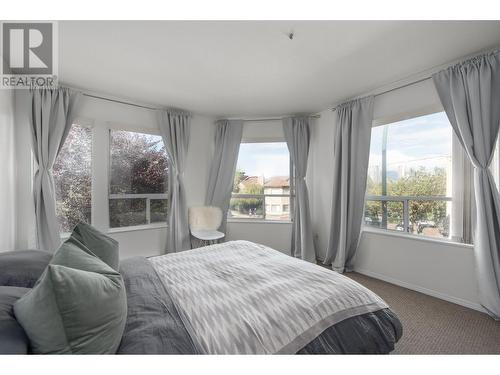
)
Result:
{"points": [[422, 141], [267, 159]]}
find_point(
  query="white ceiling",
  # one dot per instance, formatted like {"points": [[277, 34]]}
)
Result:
{"points": [[251, 68]]}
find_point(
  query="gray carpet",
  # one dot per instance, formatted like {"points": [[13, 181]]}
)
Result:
{"points": [[434, 326]]}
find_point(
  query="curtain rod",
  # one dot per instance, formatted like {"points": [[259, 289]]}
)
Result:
{"points": [[392, 89], [120, 101], [155, 108], [269, 118]]}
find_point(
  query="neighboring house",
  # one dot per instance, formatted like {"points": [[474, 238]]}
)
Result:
{"points": [[277, 206]]}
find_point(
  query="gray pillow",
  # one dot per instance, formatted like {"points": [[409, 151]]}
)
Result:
{"points": [[22, 268], [78, 305], [101, 245], [13, 340]]}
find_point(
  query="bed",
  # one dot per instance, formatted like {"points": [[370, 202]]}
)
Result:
{"points": [[243, 298], [232, 298]]}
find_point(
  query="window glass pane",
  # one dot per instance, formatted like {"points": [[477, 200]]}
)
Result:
{"points": [[417, 157], [430, 218], [138, 179], [247, 208], [158, 210], [73, 179], [262, 169], [374, 217], [138, 163], [410, 159], [127, 212]]}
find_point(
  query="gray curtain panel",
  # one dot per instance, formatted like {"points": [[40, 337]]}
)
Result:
{"points": [[51, 114], [297, 135], [350, 167], [470, 94], [463, 209], [220, 180], [175, 131]]}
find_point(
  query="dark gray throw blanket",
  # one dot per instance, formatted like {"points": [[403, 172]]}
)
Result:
{"points": [[154, 325]]}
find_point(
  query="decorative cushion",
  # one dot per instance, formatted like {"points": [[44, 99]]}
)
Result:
{"points": [[13, 340], [101, 245], [22, 268], [78, 305]]}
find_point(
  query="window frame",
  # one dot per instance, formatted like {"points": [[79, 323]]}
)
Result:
{"points": [[148, 197], [430, 110], [291, 194]]}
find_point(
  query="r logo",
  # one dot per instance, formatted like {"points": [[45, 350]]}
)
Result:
{"points": [[27, 48]]}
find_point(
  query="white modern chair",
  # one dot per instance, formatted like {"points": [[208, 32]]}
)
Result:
{"points": [[204, 222]]}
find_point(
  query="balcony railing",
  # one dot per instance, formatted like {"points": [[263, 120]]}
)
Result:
{"points": [[400, 216]]}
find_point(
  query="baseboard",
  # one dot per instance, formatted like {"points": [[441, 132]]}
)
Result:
{"points": [[417, 288]]}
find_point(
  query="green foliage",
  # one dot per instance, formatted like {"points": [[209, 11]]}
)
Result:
{"points": [[422, 183], [249, 205], [73, 181], [253, 189], [417, 183], [138, 164], [239, 176]]}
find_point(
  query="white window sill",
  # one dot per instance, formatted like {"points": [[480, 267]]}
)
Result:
{"points": [[258, 221], [414, 237], [137, 227], [65, 236]]}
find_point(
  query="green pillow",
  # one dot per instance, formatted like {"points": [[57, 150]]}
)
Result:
{"points": [[78, 306], [101, 245]]}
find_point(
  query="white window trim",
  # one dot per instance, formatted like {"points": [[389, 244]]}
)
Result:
{"points": [[411, 236], [233, 220], [134, 228], [262, 140]]}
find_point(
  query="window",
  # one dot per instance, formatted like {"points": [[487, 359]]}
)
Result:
{"points": [[73, 179], [262, 185], [409, 176], [138, 179]]}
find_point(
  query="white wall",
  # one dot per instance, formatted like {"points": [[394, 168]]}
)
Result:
{"points": [[275, 235], [445, 270], [7, 181], [441, 269]]}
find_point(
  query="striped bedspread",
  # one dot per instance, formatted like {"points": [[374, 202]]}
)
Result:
{"points": [[244, 298]]}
